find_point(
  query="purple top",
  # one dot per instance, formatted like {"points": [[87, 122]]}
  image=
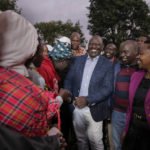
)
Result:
{"points": [[134, 83]]}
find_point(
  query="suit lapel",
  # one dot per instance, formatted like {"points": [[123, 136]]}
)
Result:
{"points": [[81, 68], [97, 68]]}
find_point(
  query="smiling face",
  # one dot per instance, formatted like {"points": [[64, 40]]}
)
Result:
{"points": [[95, 46], [110, 51], [128, 52], [143, 59]]}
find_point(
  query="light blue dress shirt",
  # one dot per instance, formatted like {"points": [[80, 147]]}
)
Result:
{"points": [[88, 70]]}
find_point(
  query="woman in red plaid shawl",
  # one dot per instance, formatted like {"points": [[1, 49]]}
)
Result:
{"points": [[23, 106]]}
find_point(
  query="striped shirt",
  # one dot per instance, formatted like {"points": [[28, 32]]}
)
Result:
{"points": [[121, 96]]}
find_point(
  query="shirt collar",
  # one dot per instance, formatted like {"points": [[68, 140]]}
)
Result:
{"points": [[96, 58], [129, 66]]}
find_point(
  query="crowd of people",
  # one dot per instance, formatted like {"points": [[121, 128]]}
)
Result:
{"points": [[67, 97]]}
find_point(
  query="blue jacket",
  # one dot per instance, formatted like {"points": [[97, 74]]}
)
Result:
{"points": [[100, 87], [117, 68]]}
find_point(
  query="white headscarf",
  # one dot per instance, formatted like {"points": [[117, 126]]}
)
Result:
{"points": [[18, 41]]}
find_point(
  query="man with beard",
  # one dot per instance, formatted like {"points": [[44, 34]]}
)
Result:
{"points": [[90, 80]]}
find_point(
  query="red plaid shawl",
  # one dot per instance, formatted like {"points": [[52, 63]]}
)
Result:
{"points": [[23, 106]]}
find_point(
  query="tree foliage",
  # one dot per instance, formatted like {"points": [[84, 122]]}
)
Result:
{"points": [[54, 29], [119, 20], [9, 5]]}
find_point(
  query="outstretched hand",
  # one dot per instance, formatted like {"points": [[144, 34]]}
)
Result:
{"points": [[65, 94]]}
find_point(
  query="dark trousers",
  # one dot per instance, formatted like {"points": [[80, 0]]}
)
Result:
{"points": [[136, 140], [67, 127]]}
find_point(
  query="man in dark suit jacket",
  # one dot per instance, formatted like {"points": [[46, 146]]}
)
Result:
{"points": [[90, 80]]}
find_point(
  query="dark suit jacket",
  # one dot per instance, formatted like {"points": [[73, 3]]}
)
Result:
{"points": [[100, 86]]}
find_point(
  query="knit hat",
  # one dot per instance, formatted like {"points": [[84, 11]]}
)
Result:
{"points": [[18, 41]]}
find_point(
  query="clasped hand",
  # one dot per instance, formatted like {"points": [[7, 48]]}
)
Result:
{"points": [[81, 101]]}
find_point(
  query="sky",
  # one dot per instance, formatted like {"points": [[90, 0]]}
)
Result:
{"points": [[47, 10]]}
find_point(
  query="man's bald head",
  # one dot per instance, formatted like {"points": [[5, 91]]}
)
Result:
{"points": [[128, 52], [130, 43]]}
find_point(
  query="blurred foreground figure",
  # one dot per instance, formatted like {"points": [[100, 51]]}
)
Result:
{"points": [[25, 107]]}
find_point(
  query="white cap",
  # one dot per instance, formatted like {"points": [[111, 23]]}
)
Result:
{"points": [[49, 47], [64, 39]]}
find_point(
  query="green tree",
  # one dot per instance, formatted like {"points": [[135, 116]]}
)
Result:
{"points": [[119, 20], [53, 29], [9, 5]]}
